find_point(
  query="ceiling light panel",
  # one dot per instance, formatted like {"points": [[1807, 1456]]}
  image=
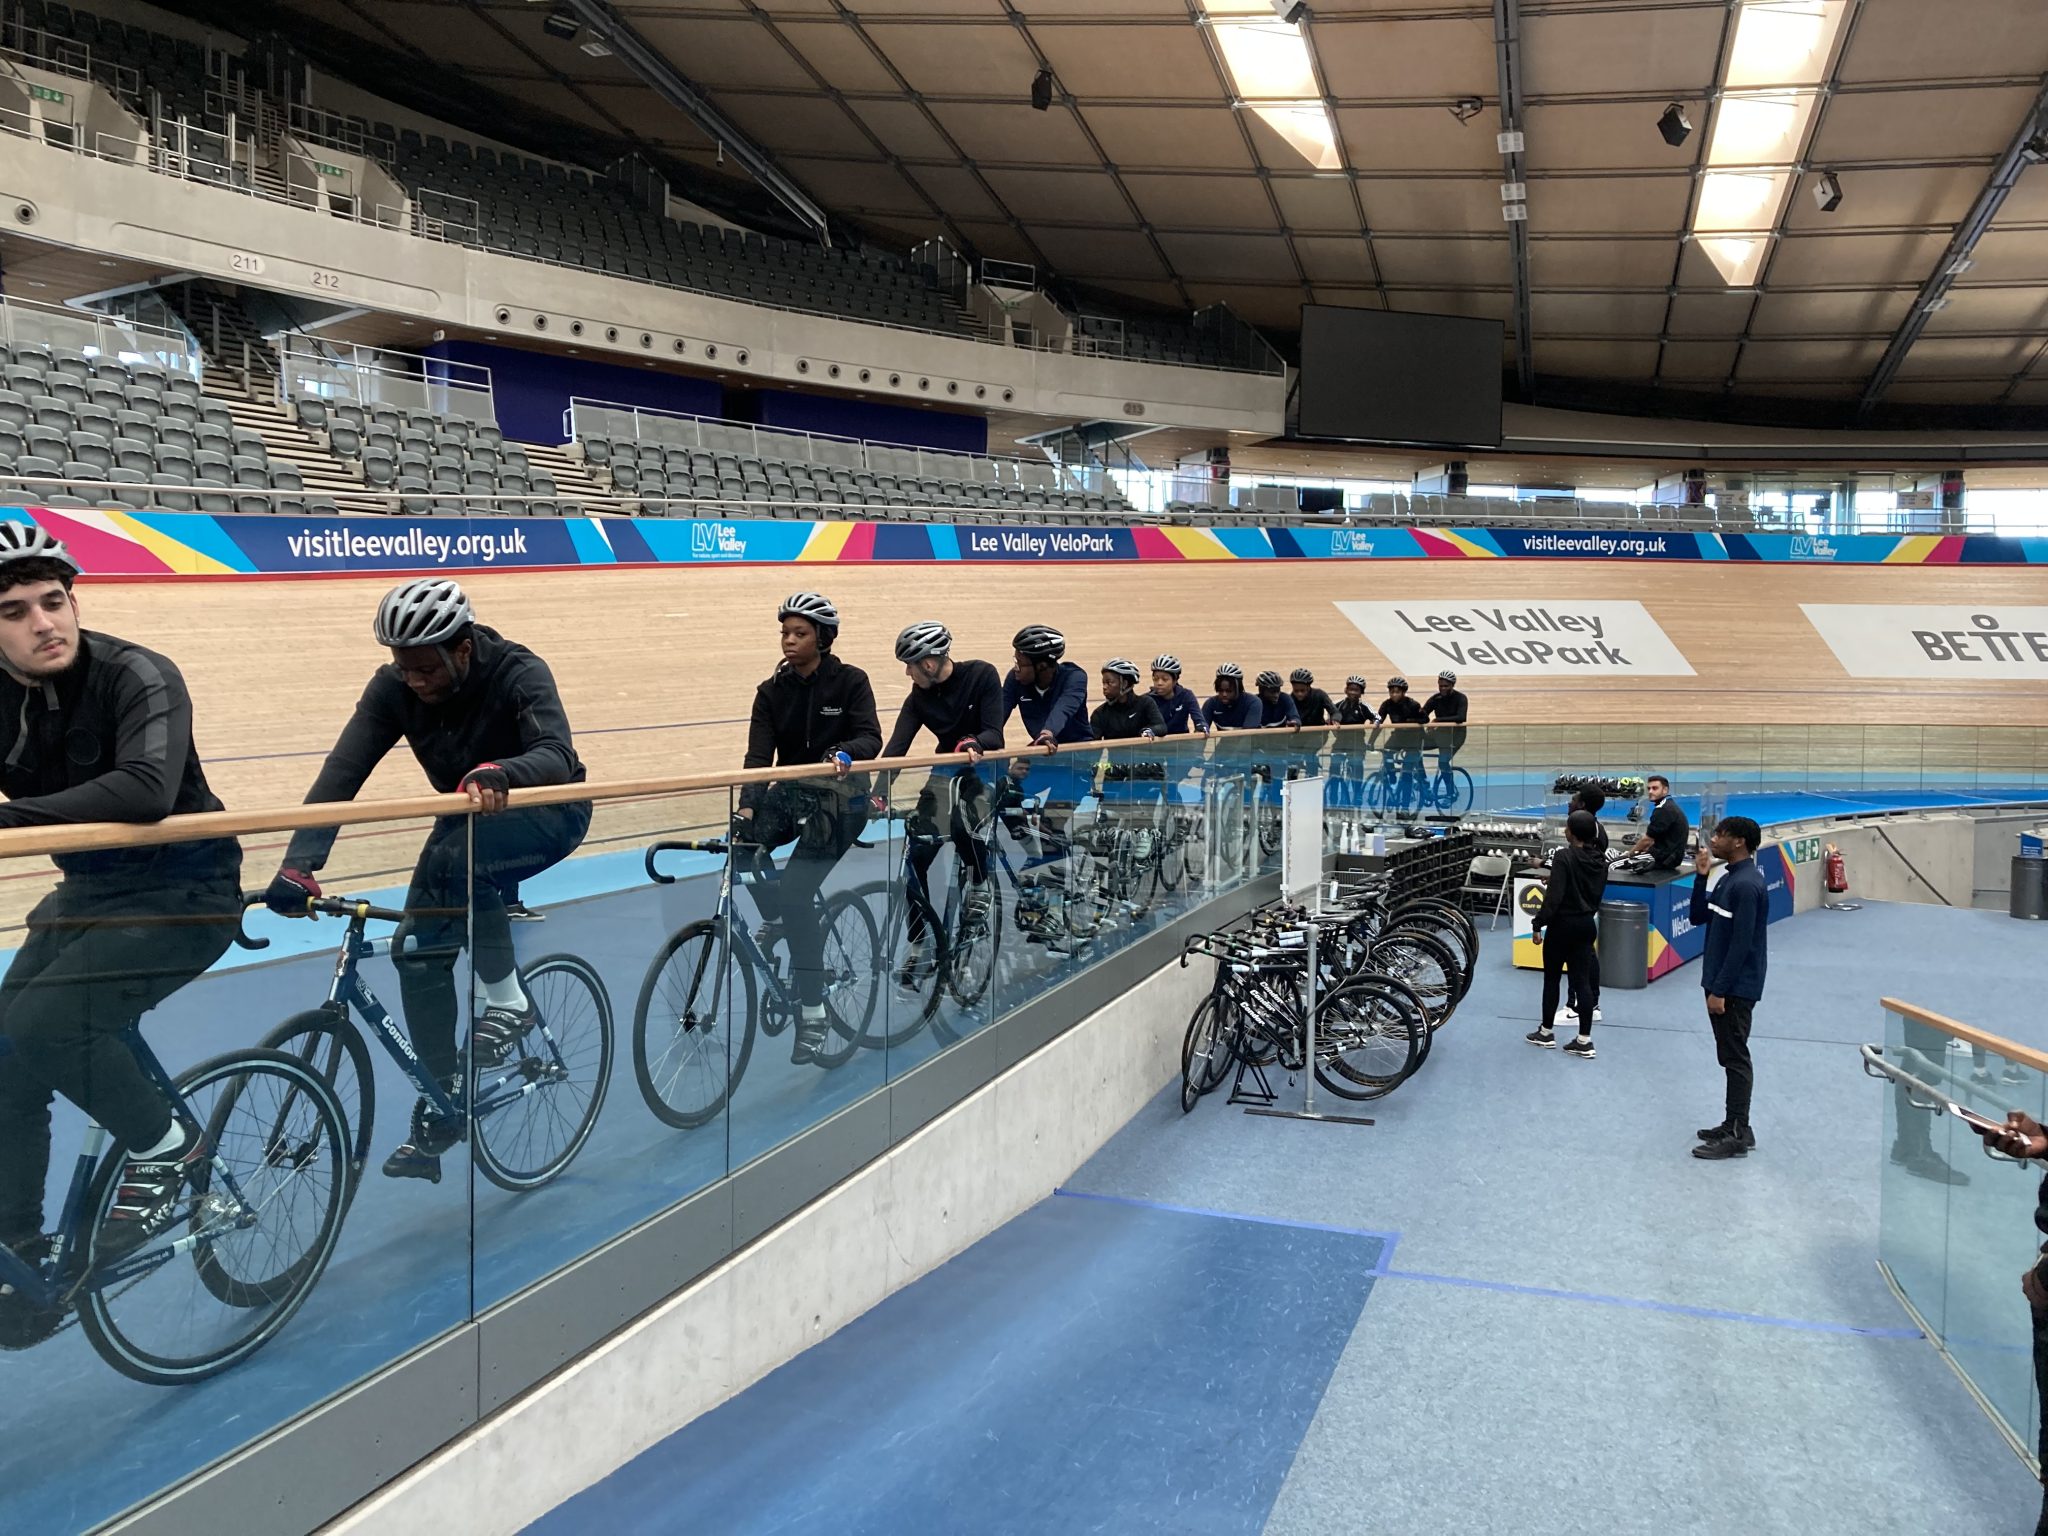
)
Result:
{"points": [[1760, 128], [1273, 77], [1783, 42]]}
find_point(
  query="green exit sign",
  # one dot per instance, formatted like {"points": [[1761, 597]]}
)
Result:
{"points": [[44, 93], [328, 170]]}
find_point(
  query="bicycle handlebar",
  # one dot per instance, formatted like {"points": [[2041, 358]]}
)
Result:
{"points": [[341, 906], [717, 845]]}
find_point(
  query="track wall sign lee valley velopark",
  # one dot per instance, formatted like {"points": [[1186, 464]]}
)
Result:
{"points": [[1563, 637]]}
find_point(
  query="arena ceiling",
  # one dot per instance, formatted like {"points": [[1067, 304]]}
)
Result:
{"points": [[1192, 153]]}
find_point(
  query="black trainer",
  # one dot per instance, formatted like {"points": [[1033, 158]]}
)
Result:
{"points": [[1735, 1145], [498, 1035], [23, 1324], [1542, 1036], [1720, 1132], [520, 912], [419, 1157], [146, 1203], [810, 1040], [1580, 1046]]}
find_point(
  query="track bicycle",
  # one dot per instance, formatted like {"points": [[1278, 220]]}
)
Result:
{"points": [[711, 987], [525, 1117], [1402, 787], [257, 1220]]}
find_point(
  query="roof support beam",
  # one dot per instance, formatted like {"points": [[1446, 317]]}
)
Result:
{"points": [[2027, 148], [1507, 53], [665, 81]]}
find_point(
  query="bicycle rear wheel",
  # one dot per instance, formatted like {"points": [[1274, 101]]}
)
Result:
{"points": [[327, 1040], [1452, 791], [853, 977], [259, 1227], [1204, 1053], [976, 941], [693, 1027], [530, 1116], [1371, 1035], [909, 994], [1424, 964]]}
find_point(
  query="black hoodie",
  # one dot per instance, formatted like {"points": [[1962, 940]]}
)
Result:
{"points": [[1578, 879]]}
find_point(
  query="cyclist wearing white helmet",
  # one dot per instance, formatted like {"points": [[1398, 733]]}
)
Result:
{"points": [[961, 704], [1230, 708], [1048, 695], [1275, 707], [96, 729], [1446, 710], [1125, 714], [483, 717], [814, 709], [1178, 707], [1352, 708], [1310, 702]]}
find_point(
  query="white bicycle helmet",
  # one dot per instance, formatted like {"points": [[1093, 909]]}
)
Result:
{"points": [[1117, 666], [428, 611], [1448, 677], [814, 606], [1231, 670], [1355, 681], [924, 639], [31, 541], [1166, 662]]}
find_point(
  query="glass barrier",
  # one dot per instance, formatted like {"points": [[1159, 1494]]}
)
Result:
{"points": [[1956, 1229]]}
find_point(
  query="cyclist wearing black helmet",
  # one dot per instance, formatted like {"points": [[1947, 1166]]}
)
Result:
{"points": [[814, 709], [1446, 710], [1352, 708], [1048, 695], [1276, 707], [1125, 714], [1310, 702], [97, 729], [961, 704], [1230, 708], [1402, 713], [1178, 707], [483, 717]]}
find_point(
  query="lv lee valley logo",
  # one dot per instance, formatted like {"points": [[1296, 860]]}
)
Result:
{"points": [[1524, 638]]}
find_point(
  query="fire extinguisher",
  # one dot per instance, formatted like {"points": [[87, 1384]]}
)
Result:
{"points": [[1834, 871]]}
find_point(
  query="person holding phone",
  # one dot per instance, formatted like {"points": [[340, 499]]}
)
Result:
{"points": [[1734, 914], [2023, 1136]]}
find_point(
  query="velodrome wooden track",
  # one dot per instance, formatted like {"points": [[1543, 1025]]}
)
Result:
{"points": [[658, 666]]}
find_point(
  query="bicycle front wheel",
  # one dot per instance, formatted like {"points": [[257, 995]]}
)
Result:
{"points": [[258, 1221], [327, 1040], [693, 1027], [1371, 1035], [530, 1116], [853, 977], [1453, 791]]}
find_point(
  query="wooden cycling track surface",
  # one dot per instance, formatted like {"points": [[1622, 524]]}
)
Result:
{"points": [[658, 666]]}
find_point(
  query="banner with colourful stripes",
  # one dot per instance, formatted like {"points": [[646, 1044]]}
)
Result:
{"points": [[117, 542]]}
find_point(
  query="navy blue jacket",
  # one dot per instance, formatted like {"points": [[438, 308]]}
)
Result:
{"points": [[1280, 711], [1244, 715], [1182, 712], [1735, 915], [1061, 709]]}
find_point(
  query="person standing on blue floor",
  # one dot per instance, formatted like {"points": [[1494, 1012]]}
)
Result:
{"points": [[2024, 1137], [1179, 710], [1565, 926], [1230, 708], [1275, 706], [815, 708], [961, 704], [1735, 915], [1310, 702], [483, 717]]}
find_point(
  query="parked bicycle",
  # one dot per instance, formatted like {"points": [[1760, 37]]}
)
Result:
{"points": [[526, 1117], [257, 1222], [711, 987]]}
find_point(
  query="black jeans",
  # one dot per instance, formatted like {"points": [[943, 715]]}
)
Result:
{"points": [[963, 800], [1568, 946], [1731, 1049], [444, 906], [825, 825], [94, 963]]}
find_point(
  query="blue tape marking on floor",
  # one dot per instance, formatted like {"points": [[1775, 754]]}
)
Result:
{"points": [[1389, 1238], [1093, 1365], [1640, 1304]]}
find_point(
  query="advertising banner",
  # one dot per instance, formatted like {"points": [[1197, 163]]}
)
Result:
{"points": [[1562, 637], [1870, 640]]}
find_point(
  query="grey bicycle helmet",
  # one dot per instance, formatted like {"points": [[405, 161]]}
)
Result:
{"points": [[1166, 661], [1040, 642], [924, 639], [428, 611], [1396, 682], [1230, 670], [816, 609], [1127, 670], [1447, 677], [1355, 681], [1301, 675], [1269, 679], [31, 541]]}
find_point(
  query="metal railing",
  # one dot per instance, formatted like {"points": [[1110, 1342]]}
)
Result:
{"points": [[27, 322], [309, 368], [586, 418]]}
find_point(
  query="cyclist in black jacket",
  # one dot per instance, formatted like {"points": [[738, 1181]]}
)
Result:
{"points": [[95, 729], [482, 716], [815, 709], [1310, 702], [1125, 713], [1352, 708], [961, 704], [1447, 709]]}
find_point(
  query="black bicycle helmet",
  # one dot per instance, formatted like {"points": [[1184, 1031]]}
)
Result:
{"points": [[1397, 682], [1269, 679], [1040, 642], [1355, 681], [1166, 661], [1301, 675], [924, 639]]}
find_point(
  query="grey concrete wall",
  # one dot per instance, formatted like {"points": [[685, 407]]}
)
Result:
{"points": [[969, 1171]]}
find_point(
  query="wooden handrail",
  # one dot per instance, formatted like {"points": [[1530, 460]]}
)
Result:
{"points": [[99, 836], [2011, 1050]]}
